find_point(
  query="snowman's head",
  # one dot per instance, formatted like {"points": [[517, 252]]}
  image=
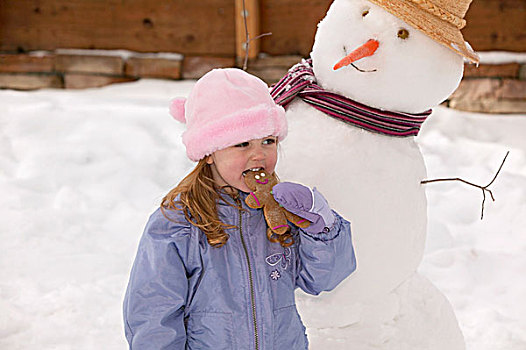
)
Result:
{"points": [[393, 66]]}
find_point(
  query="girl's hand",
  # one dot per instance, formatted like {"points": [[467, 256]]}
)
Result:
{"points": [[305, 202]]}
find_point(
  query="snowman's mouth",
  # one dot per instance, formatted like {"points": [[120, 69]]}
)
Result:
{"points": [[362, 70], [355, 67]]}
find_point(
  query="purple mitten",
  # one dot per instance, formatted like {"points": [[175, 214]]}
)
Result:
{"points": [[304, 202]]}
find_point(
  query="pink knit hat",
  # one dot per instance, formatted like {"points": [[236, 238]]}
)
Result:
{"points": [[227, 107]]}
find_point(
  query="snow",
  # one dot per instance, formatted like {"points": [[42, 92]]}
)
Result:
{"points": [[486, 57], [80, 172], [124, 54], [478, 264], [501, 57]]}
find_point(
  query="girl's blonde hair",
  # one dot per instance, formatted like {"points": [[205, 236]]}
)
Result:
{"points": [[198, 198]]}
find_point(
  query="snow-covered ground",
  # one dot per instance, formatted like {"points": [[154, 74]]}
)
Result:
{"points": [[80, 172]]}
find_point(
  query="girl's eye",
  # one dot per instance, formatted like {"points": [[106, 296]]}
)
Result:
{"points": [[242, 144], [365, 13], [269, 141], [403, 33]]}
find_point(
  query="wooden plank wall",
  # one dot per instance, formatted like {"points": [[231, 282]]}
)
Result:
{"points": [[206, 27], [185, 26], [292, 24], [495, 25]]}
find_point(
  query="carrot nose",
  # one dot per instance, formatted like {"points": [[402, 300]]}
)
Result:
{"points": [[365, 50]]}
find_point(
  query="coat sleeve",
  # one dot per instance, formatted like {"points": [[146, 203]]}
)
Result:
{"points": [[326, 258], [157, 290]]}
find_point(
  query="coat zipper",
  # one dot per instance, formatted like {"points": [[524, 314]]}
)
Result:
{"points": [[251, 281]]}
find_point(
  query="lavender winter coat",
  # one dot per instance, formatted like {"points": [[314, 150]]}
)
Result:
{"points": [[185, 294]]}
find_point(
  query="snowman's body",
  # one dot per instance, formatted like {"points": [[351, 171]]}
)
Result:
{"points": [[374, 181]]}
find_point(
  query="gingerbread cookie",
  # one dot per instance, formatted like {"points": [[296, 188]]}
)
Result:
{"points": [[261, 183]]}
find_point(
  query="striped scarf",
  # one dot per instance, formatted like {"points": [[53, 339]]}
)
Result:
{"points": [[301, 82]]}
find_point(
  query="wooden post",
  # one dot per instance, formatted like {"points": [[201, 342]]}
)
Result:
{"points": [[252, 25]]}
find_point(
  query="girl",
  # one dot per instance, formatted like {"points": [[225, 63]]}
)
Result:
{"points": [[206, 276]]}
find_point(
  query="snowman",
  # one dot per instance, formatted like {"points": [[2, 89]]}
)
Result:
{"points": [[377, 68]]}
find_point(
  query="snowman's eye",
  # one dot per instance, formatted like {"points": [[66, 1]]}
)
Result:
{"points": [[403, 33], [365, 13]]}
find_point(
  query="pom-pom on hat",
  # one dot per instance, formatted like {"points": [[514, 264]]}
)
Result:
{"points": [[227, 107]]}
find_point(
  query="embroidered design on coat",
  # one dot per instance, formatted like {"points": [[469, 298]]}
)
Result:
{"points": [[275, 275], [283, 258]]}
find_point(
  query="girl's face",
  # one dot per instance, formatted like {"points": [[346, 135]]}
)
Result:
{"points": [[228, 165]]}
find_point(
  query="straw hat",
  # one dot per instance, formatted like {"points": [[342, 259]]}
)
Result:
{"points": [[441, 20]]}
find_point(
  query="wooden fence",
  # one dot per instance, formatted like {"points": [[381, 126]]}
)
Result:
{"points": [[204, 33], [207, 27]]}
